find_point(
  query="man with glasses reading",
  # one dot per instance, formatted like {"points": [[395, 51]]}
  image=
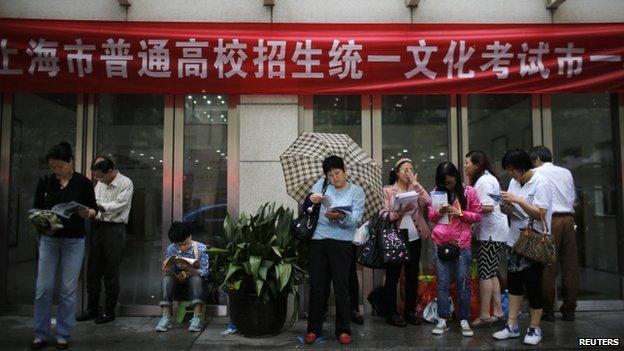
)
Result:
{"points": [[113, 194]]}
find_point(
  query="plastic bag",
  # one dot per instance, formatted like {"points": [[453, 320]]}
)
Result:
{"points": [[430, 313], [505, 302], [361, 235]]}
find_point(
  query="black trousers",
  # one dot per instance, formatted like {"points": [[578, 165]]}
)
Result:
{"points": [[330, 261], [393, 273], [105, 254]]}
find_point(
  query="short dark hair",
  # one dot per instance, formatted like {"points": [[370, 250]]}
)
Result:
{"points": [[333, 162], [517, 159], [61, 151], [102, 164], [541, 153], [178, 232]]}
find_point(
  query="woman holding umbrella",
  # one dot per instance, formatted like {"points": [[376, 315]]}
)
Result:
{"points": [[330, 247]]}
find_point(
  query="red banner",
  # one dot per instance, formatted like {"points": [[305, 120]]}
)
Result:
{"points": [[303, 59]]}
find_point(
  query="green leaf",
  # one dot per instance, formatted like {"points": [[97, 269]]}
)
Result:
{"points": [[236, 285], [254, 264], [216, 251], [233, 268], [276, 249], [282, 271], [262, 272], [259, 284]]}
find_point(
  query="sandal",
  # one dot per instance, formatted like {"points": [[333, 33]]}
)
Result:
{"points": [[496, 320], [481, 322]]}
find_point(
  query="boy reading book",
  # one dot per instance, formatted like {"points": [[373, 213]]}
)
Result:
{"points": [[185, 264]]}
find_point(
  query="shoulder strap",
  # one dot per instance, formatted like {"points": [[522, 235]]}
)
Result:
{"points": [[325, 185]]}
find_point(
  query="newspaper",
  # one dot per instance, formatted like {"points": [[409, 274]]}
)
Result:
{"points": [[64, 210], [515, 211], [438, 200]]}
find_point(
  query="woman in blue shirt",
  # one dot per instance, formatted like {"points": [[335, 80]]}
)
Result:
{"points": [[330, 248]]}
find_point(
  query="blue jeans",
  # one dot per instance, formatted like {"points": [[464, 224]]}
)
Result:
{"points": [[64, 254], [460, 266]]}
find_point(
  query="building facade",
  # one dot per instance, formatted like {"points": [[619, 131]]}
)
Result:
{"points": [[196, 156]]}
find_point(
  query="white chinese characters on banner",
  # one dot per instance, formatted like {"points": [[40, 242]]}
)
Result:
{"points": [[464, 55], [192, 62], [574, 63], [155, 62], [226, 56], [116, 57], [78, 59], [421, 63], [307, 62], [500, 57], [43, 57], [344, 60], [6, 52], [276, 67], [532, 60]]}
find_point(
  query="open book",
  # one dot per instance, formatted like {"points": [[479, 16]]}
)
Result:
{"points": [[183, 261], [64, 210], [408, 197], [516, 212], [328, 201]]}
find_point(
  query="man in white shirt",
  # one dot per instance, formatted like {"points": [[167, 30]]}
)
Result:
{"points": [[564, 196], [113, 194]]}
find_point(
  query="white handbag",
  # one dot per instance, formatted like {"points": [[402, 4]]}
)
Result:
{"points": [[361, 235], [430, 313]]}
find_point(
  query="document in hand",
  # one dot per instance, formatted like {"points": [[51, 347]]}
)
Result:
{"points": [[64, 210], [439, 199], [328, 201], [403, 199], [516, 212], [183, 261]]}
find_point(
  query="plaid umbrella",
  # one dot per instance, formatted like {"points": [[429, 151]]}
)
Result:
{"points": [[302, 163]]}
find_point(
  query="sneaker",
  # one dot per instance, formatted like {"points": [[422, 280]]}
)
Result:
{"points": [[507, 332], [441, 327], [533, 336], [164, 324], [196, 324], [344, 339], [465, 328]]}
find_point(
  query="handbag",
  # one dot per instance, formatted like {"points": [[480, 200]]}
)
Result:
{"points": [[430, 313], [392, 241], [303, 227], [448, 251], [535, 245], [369, 255]]}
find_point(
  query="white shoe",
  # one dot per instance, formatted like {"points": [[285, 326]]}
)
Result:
{"points": [[465, 328], [507, 332], [441, 327], [533, 336]]}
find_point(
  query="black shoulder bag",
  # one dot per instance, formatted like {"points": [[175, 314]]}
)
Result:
{"points": [[303, 227]]}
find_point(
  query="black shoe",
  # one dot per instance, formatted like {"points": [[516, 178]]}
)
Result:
{"points": [[86, 316], [376, 300], [396, 320], [548, 316], [412, 319], [356, 318], [62, 345], [105, 318], [38, 345], [567, 316]]}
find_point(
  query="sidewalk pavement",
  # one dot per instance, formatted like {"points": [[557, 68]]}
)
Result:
{"points": [[137, 333]]}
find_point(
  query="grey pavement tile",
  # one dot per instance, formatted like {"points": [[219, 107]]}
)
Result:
{"points": [[137, 333]]}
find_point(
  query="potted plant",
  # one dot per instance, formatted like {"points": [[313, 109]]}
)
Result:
{"points": [[260, 264]]}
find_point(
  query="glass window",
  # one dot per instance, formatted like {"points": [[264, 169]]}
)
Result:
{"points": [[583, 143], [39, 121], [130, 131], [415, 126], [205, 169], [497, 123], [339, 114]]}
